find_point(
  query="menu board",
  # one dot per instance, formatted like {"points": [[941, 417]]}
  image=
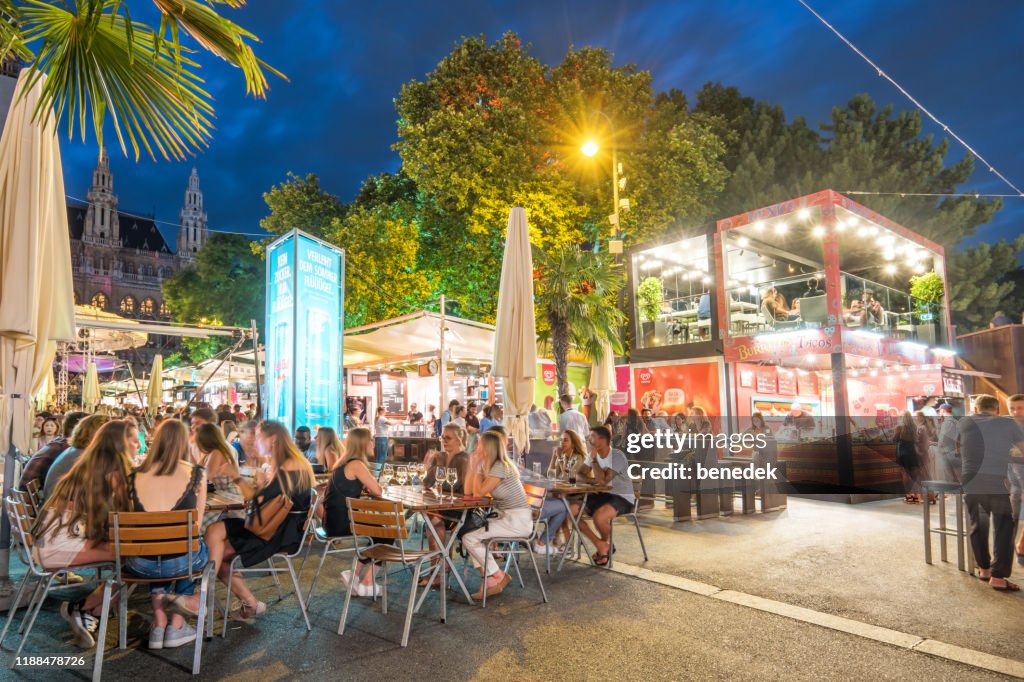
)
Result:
{"points": [[766, 381], [787, 381], [392, 395]]}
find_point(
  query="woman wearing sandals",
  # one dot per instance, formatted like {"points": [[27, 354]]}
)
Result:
{"points": [[492, 474], [291, 475]]}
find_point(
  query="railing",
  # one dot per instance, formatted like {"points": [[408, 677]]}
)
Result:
{"points": [[680, 321]]}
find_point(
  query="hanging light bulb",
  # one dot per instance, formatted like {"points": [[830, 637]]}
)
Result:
{"points": [[890, 269], [818, 231], [759, 225], [803, 214], [781, 227], [743, 242], [919, 268]]}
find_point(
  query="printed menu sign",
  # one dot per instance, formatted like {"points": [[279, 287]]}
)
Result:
{"points": [[787, 381], [392, 395]]}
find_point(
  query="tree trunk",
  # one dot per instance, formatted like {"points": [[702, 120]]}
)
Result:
{"points": [[560, 348]]}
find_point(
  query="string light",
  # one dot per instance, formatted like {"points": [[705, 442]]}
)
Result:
{"points": [[818, 231], [803, 214], [945, 128], [781, 227], [759, 226]]}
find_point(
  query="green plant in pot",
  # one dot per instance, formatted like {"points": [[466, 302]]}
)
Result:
{"points": [[649, 298], [927, 291]]}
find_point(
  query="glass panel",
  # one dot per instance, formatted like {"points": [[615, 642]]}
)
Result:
{"points": [[781, 304], [674, 293], [881, 308]]}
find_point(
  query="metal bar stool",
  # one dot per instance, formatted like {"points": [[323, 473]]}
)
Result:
{"points": [[939, 488]]}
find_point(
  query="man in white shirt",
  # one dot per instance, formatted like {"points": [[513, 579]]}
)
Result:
{"points": [[572, 419], [610, 467]]}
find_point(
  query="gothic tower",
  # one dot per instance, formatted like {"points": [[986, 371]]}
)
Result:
{"points": [[101, 222], [192, 230]]}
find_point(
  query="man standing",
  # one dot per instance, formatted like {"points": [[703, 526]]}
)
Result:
{"points": [[1015, 404], [448, 414], [985, 443], [304, 441], [572, 419], [607, 466], [415, 416], [949, 444]]}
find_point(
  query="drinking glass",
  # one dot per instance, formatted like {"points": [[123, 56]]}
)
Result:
{"points": [[421, 472], [453, 478], [440, 475], [536, 469], [402, 475], [552, 474]]}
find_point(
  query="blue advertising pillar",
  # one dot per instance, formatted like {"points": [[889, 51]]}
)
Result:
{"points": [[305, 322]]}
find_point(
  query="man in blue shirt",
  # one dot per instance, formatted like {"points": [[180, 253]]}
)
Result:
{"points": [[704, 307]]}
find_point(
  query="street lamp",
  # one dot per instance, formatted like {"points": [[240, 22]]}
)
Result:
{"points": [[590, 149]]}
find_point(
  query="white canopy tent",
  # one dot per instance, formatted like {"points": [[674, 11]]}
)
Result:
{"points": [[417, 336]]}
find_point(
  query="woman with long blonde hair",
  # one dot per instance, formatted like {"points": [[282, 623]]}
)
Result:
{"points": [[328, 448], [492, 474], [218, 458], [71, 529], [291, 475], [351, 477]]}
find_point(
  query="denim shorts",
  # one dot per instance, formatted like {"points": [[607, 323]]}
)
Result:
{"points": [[167, 567]]}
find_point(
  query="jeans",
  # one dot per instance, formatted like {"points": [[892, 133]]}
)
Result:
{"points": [[380, 445], [979, 507], [168, 567], [553, 514]]}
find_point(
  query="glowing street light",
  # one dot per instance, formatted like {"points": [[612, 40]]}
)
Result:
{"points": [[589, 149]]}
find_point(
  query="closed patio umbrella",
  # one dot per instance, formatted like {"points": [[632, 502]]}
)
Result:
{"points": [[47, 394], [36, 294], [155, 392], [515, 333], [91, 388], [602, 382]]}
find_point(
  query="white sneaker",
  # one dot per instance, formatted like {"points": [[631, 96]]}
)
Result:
{"points": [[82, 623], [175, 637], [373, 591], [156, 638], [544, 549], [346, 578]]}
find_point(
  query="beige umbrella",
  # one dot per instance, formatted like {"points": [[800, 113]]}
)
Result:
{"points": [[602, 382], [91, 388], [48, 393], [155, 392], [515, 332]]}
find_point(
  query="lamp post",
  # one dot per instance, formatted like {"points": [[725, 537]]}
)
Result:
{"points": [[590, 149]]}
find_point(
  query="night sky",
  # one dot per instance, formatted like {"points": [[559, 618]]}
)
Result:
{"points": [[347, 61]]}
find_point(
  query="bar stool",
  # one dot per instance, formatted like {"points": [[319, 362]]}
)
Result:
{"points": [[940, 488]]}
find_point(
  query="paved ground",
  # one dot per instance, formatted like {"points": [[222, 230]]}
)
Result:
{"points": [[601, 624]]}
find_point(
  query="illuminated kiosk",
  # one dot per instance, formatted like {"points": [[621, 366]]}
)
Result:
{"points": [[305, 320], [801, 310]]}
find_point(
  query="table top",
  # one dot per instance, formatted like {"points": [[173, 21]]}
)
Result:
{"points": [[223, 501], [416, 499], [565, 488]]}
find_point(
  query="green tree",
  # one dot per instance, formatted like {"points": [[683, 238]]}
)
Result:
{"points": [[982, 280], [99, 61], [575, 297], [224, 286], [300, 202]]}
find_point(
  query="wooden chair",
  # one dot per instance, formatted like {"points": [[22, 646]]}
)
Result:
{"points": [[34, 489], [46, 581], [636, 523], [535, 496], [153, 534], [375, 520], [332, 544], [236, 566]]}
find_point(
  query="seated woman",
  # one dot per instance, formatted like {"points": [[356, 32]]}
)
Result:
{"points": [[71, 529], [218, 458], [351, 477], [492, 474], [774, 306], [328, 448], [554, 513], [168, 481], [453, 454], [291, 475]]}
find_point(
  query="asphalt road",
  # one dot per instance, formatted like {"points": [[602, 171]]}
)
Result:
{"points": [[599, 625]]}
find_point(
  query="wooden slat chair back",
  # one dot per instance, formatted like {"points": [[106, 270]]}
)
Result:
{"points": [[154, 534], [34, 489], [535, 496]]}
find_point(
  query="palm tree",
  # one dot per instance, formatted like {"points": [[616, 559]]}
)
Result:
{"points": [[576, 296], [98, 61]]}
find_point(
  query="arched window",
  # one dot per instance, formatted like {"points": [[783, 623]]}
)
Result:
{"points": [[165, 310], [129, 268], [99, 300], [128, 305], [147, 306]]}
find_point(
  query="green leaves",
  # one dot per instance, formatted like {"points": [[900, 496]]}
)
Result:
{"points": [[100, 62]]}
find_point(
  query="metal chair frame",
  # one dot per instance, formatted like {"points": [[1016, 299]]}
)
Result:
{"points": [[636, 523], [235, 567], [376, 519], [152, 534], [22, 522]]}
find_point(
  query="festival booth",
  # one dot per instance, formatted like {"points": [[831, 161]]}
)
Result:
{"points": [[802, 312]]}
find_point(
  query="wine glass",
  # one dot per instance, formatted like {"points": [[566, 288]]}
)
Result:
{"points": [[421, 472], [388, 473], [440, 475], [453, 478], [402, 474]]}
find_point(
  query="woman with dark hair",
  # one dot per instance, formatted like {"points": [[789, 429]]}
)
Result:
{"points": [[71, 528], [168, 481], [291, 475], [49, 430], [908, 458]]}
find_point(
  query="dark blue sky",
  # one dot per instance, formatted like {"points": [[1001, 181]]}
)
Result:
{"points": [[347, 61]]}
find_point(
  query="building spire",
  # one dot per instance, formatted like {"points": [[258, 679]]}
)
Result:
{"points": [[192, 222]]}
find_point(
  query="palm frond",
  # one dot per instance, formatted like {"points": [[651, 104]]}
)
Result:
{"points": [[12, 46], [98, 62], [216, 34]]}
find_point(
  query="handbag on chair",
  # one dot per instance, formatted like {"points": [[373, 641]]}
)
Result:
{"points": [[263, 518]]}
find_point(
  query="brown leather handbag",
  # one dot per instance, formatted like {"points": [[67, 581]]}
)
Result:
{"points": [[264, 517]]}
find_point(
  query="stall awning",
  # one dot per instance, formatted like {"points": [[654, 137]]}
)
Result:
{"points": [[418, 335]]}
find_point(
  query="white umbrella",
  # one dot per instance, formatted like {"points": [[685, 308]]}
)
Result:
{"points": [[155, 392], [36, 293], [91, 388], [515, 332], [602, 381]]}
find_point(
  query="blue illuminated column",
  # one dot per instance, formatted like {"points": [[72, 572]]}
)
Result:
{"points": [[305, 322]]}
